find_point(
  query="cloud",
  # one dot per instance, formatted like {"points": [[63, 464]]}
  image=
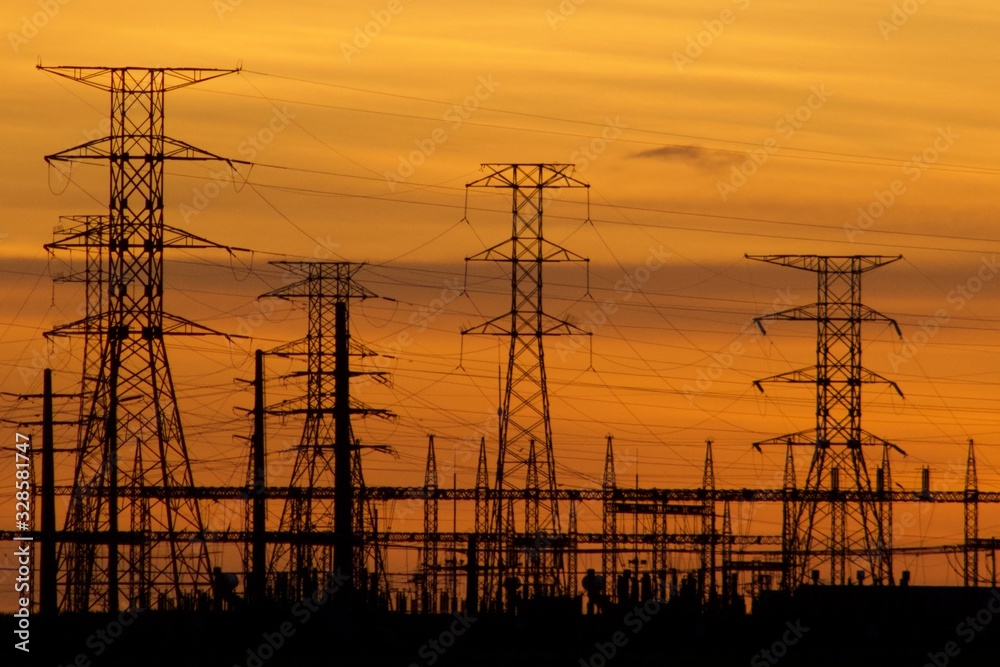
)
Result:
{"points": [[705, 158]]}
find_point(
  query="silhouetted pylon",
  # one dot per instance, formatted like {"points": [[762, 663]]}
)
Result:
{"points": [[829, 526], [133, 465], [524, 416]]}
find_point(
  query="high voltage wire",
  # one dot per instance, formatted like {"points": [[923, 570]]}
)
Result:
{"points": [[874, 159], [696, 214], [642, 209], [701, 230]]}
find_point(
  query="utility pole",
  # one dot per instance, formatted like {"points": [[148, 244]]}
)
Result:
{"points": [[258, 549], [49, 596], [343, 502]]}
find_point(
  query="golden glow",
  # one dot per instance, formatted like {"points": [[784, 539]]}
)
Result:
{"points": [[661, 107]]}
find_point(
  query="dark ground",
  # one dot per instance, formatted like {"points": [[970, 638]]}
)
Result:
{"points": [[821, 626]]}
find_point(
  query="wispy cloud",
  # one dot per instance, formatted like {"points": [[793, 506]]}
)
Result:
{"points": [[705, 158]]}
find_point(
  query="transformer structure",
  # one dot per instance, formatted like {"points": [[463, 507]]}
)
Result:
{"points": [[848, 526], [525, 457], [323, 455], [130, 440]]}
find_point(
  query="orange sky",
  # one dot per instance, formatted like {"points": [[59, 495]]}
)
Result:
{"points": [[663, 109]]}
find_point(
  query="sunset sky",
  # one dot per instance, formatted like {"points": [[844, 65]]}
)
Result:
{"points": [[707, 130]]}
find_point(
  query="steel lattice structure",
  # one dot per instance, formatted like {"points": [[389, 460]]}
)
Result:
{"points": [[328, 288], [525, 454], [130, 436], [428, 579], [843, 531], [970, 554]]}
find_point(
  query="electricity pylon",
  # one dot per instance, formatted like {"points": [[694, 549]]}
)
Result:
{"points": [[132, 450], [323, 456], [525, 458], [846, 528]]}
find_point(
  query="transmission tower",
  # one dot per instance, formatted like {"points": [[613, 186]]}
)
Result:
{"points": [[525, 425], [708, 585], [609, 517], [430, 565], [323, 455], [840, 523], [970, 551], [130, 440]]}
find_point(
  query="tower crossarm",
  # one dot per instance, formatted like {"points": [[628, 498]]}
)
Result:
{"points": [[547, 326], [811, 313], [810, 376], [834, 263], [300, 348], [546, 251], [172, 149], [808, 437], [322, 280], [528, 175], [100, 77], [300, 406]]}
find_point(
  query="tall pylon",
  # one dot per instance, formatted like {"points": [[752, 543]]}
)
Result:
{"points": [[131, 442], [835, 531], [789, 495], [431, 565], [482, 490], [609, 522], [709, 552], [970, 551], [323, 454], [524, 415]]}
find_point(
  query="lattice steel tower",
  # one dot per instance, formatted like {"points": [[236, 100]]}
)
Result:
{"points": [[525, 458], [323, 456], [835, 519], [132, 450]]}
